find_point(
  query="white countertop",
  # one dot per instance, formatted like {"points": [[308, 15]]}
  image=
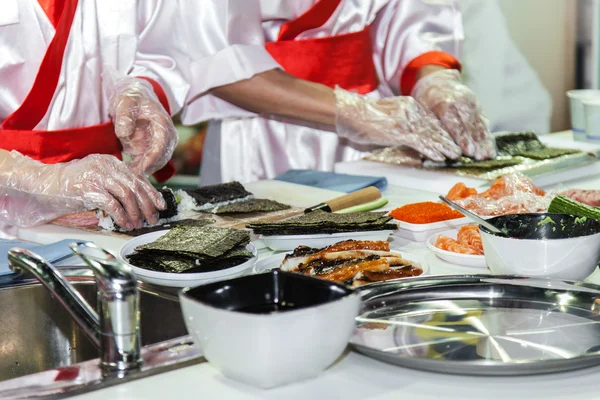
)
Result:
{"points": [[354, 376]]}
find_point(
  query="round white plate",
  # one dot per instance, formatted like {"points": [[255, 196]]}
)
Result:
{"points": [[290, 242], [274, 261], [469, 260], [183, 279]]}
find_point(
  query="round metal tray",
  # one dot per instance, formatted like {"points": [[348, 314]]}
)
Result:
{"points": [[481, 325]]}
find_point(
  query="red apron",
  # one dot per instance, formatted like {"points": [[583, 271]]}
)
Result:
{"points": [[344, 60], [61, 145]]}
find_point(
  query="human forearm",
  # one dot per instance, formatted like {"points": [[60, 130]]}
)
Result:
{"points": [[276, 92]]}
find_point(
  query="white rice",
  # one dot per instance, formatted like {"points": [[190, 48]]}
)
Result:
{"points": [[188, 203]]}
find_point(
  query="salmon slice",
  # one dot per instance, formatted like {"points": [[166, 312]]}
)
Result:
{"points": [[469, 236], [460, 191], [449, 244]]}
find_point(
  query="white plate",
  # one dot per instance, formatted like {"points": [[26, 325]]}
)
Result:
{"points": [[469, 260], [274, 261], [183, 279], [290, 242]]}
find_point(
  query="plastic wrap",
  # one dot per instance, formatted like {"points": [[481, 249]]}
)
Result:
{"points": [[143, 126], [457, 108], [393, 121], [511, 194], [32, 193]]}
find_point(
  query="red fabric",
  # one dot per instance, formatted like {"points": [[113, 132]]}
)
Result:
{"points": [[408, 79], [344, 60], [33, 109], [52, 147], [314, 17], [53, 9]]}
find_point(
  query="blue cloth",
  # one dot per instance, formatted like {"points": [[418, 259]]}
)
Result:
{"points": [[332, 181], [51, 252]]}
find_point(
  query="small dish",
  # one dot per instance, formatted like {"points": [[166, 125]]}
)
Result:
{"points": [[290, 242], [543, 246], [271, 329], [184, 279], [468, 260], [422, 232], [274, 261]]}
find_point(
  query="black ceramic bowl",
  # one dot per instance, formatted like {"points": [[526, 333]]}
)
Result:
{"points": [[543, 226]]}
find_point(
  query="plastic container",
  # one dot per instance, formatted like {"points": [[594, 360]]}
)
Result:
{"points": [[578, 123], [591, 108], [422, 232]]}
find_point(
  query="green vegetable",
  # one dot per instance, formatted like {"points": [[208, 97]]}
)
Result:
{"points": [[565, 205], [546, 221], [373, 205], [580, 220]]}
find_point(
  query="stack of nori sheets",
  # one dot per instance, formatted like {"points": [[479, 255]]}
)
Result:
{"points": [[193, 249], [250, 206], [319, 222]]}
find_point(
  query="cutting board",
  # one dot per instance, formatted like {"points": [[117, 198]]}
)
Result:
{"points": [[437, 182], [288, 193]]}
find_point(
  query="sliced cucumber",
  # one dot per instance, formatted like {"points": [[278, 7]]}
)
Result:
{"points": [[373, 205], [566, 205]]}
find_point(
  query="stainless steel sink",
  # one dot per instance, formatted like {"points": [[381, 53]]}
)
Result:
{"points": [[37, 334]]}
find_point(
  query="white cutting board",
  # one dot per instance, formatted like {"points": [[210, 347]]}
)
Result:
{"points": [[437, 182], [285, 192]]}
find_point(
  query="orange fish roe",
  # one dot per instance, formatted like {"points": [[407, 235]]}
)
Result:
{"points": [[425, 213]]}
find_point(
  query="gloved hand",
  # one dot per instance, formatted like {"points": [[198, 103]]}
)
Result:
{"points": [[32, 193], [143, 126], [393, 121], [457, 108]]}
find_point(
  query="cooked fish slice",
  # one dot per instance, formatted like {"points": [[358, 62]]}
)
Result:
{"points": [[304, 254], [366, 277], [350, 269]]}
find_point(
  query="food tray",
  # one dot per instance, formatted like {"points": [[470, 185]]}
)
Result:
{"points": [[290, 242], [422, 232], [468, 260], [183, 279], [481, 325]]}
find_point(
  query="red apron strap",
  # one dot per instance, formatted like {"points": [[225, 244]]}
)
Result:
{"points": [[33, 109], [314, 17]]}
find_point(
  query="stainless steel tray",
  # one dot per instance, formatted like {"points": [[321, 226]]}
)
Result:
{"points": [[481, 325]]}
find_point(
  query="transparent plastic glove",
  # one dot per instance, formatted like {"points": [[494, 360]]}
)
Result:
{"points": [[393, 121], [143, 126], [32, 193], [457, 108]]}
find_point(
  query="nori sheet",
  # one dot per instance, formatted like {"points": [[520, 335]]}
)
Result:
{"points": [[169, 225], [500, 162], [249, 206], [218, 193], [198, 241], [323, 222], [514, 144], [171, 201], [548, 153]]}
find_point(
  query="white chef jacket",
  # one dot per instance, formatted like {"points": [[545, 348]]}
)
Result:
{"points": [[132, 36], [509, 90], [227, 44]]}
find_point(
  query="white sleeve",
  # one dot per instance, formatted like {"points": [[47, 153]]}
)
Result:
{"points": [[158, 53], [406, 29], [225, 44]]}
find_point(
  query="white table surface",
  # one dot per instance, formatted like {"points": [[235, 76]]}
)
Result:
{"points": [[354, 376]]}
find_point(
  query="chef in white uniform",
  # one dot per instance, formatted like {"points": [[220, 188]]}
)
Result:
{"points": [[340, 58], [83, 81]]}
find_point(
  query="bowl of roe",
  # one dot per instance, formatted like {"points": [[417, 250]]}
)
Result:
{"points": [[419, 221]]}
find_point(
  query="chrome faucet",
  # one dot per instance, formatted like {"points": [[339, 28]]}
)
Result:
{"points": [[115, 328]]}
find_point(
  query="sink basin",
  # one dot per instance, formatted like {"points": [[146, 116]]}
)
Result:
{"points": [[37, 334]]}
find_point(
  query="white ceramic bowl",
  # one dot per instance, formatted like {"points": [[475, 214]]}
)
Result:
{"points": [[277, 348], [544, 250]]}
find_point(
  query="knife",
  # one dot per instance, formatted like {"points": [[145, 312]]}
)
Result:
{"points": [[363, 196]]}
